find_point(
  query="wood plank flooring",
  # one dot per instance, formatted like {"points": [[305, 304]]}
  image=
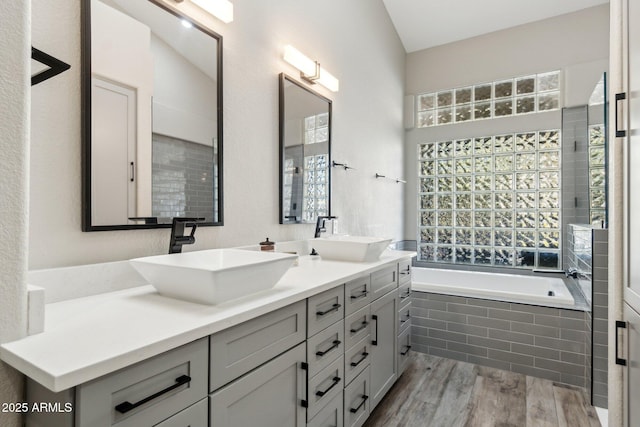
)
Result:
{"points": [[437, 392]]}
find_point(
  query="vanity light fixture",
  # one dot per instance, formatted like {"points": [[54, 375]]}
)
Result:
{"points": [[310, 70], [221, 9]]}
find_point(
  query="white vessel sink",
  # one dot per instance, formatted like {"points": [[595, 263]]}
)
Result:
{"points": [[350, 248], [213, 276]]}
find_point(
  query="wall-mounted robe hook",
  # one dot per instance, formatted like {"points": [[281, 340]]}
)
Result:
{"points": [[342, 165], [397, 180]]}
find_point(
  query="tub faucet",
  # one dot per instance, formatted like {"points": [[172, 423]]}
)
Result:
{"points": [[177, 233], [572, 272], [320, 224]]}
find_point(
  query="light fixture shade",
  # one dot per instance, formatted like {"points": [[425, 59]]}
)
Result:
{"points": [[221, 9], [309, 69]]}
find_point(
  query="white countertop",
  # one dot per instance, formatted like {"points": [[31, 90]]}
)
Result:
{"points": [[88, 337]]}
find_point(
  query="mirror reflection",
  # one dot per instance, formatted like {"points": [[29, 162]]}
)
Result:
{"points": [[153, 129], [597, 160], [305, 147]]}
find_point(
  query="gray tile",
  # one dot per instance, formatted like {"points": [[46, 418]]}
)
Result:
{"points": [[518, 337], [553, 321], [448, 354], [448, 336], [557, 344], [489, 303], [531, 350], [446, 298], [554, 365], [572, 379], [511, 357], [467, 329], [600, 299], [600, 350], [600, 338], [489, 323], [571, 335], [449, 317], [600, 401], [489, 343], [536, 372], [419, 348], [466, 309], [575, 358], [575, 324], [468, 349], [510, 315], [537, 330], [600, 376], [436, 305]]}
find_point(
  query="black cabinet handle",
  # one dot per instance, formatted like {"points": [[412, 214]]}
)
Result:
{"points": [[321, 393], [364, 325], [620, 97], [304, 402], [127, 406], [361, 295], [407, 318], [406, 272], [334, 307], [619, 325], [407, 295], [362, 359], [335, 345], [375, 317], [357, 408], [133, 172], [404, 353]]}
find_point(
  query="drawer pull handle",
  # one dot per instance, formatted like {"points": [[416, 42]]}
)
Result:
{"points": [[404, 353], [406, 272], [375, 317], [361, 295], [321, 393], [357, 408], [405, 296], [364, 325], [335, 345], [619, 97], [334, 307], [620, 325], [364, 356], [127, 406], [406, 319]]}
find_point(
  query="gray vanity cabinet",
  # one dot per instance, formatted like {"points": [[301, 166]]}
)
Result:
{"points": [[194, 416], [269, 396], [384, 334], [357, 400]]}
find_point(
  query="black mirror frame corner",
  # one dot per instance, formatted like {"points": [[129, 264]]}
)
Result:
{"points": [[85, 90]]}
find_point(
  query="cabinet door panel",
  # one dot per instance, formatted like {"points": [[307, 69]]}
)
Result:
{"points": [[194, 416], [357, 400], [324, 310], [270, 396], [384, 313]]}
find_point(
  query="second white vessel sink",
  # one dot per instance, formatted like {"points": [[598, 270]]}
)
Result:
{"points": [[213, 276], [350, 248]]}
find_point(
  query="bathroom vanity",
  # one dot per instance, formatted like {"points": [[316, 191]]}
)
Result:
{"points": [[321, 348]]}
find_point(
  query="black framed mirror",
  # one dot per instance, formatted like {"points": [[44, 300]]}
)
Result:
{"points": [[152, 116], [305, 153]]}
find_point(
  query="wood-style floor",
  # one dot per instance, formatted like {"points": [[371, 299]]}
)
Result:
{"points": [[437, 392]]}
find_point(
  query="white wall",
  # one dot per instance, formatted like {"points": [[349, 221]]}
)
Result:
{"points": [[576, 43], [354, 40], [14, 185]]}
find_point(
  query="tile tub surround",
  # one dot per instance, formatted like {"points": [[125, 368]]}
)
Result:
{"points": [[544, 342]]}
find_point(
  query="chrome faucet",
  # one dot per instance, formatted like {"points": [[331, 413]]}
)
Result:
{"points": [[177, 233], [320, 224], [572, 272]]}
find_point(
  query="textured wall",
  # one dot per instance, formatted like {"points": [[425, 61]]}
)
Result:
{"points": [[14, 182], [354, 40]]}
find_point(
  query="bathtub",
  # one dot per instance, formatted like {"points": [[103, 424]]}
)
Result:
{"points": [[545, 291]]}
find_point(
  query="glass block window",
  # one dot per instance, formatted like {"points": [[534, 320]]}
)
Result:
{"points": [[315, 198], [316, 128], [491, 200], [520, 95], [597, 174]]}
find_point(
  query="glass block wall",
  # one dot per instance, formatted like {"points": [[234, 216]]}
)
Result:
{"points": [[520, 95], [316, 195], [492, 200], [597, 174]]}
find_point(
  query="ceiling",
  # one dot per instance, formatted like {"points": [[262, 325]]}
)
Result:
{"points": [[422, 24]]}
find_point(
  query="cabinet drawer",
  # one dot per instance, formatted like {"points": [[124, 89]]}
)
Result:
{"points": [[324, 347], [404, 348], [404, 317], [356, 360], [325, 386], [357, 294], [356, 400], [404, 272], [382, 281], [324, 310], [146, 393], [194, 416], [356, 326], [270, 396], [237, 350], [330, 415], [404, 293]]}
